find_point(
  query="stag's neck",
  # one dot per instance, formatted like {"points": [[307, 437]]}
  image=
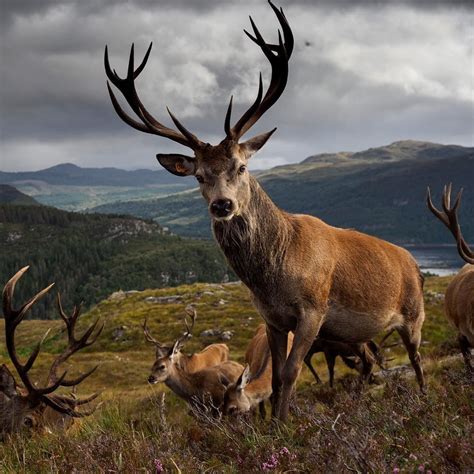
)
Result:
{"points": [[181, 384], [255, 242]]}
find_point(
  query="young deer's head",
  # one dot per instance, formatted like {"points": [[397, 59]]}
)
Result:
{"points": [[167, 356], [236, 400], [221, 170], [32, 407]]}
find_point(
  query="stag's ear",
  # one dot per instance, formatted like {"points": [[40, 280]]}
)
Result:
{"points": [[7, 382], [244, 378], [180, 165], [251, 146]]}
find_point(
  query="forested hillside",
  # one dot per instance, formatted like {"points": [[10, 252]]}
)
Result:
{"points": [[11, 195], [91, 256], [380, 191]]}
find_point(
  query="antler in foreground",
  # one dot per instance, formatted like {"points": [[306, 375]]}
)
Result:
{"points": [[29, 403]]}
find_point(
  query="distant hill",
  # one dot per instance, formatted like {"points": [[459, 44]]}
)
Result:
{"points": [[73, 188], [380, 191], [72, 175], [11, 195], [91, 256]]}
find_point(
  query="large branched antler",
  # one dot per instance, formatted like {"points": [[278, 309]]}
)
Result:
{"points": [[13, 317], [148, 124], [278, 55], [448, 216], [74, 345]]}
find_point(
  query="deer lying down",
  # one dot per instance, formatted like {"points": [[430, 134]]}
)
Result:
{"points": [[459, 300], [32, 407], [366, 355], [211, 355], [197, 383], [254, 385]]}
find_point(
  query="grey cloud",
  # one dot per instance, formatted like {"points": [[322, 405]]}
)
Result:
{"points": [[359, 77]]}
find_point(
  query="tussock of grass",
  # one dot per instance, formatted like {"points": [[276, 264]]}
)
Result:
{"points": [[137, 427]]}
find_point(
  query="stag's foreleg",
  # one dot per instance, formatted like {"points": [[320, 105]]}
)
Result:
{"points": [[306, 331], [277, 341]]}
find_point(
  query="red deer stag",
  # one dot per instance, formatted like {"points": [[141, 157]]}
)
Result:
{"points": [[459, 300], [304, 275], [204, 386], [254, 385], [30, 406], [211, 355]]}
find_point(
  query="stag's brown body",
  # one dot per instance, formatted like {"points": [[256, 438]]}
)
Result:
{"points": [[211, 355], [304, 275], [459, 302], [459, 298]]}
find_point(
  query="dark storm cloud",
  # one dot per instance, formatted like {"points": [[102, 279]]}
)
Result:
{"points": [[363, 73]]}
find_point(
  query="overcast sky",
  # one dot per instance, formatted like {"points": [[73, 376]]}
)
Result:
{"points": [[363, 74]]}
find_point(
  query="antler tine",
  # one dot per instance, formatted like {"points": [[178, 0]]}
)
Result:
{"points": [[278, 55], [74, 344], [148, 335], [57, 403], [13, 318], [449, 218], [149, 123], [192, 313]]}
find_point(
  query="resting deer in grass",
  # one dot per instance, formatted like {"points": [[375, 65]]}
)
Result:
{"points": [[254, 386], [305, 276], [199, 379], [211, 355], [31, 406], [459, 299]]}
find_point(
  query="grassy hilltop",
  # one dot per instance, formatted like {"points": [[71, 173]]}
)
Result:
{"points": [[138, 427]]}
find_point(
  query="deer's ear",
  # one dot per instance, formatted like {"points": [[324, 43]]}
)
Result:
{"points": [[179, 165], [7, 382], [254, 144], [244, 378]]}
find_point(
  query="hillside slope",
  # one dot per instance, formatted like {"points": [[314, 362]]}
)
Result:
{"points": [[90, 256], [388, 427], [11, 195], [380, 191]]}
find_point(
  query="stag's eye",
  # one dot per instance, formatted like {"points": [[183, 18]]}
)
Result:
{"points": [[28, 422], [199, 178], [161, 367], [242, 169]]}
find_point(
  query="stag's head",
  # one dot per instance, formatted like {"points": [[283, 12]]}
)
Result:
{"points": [[221, 170], [166, 357], [30, 406]]}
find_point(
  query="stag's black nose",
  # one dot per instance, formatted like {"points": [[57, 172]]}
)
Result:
{"points": [[221, 207], [151, 379]]}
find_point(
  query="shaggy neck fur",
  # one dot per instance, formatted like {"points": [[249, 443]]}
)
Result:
{"points": [[255, 242]]}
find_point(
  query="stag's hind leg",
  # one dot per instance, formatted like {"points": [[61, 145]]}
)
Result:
{"points": [[466, 352], [307, 361], [411, 337]]}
